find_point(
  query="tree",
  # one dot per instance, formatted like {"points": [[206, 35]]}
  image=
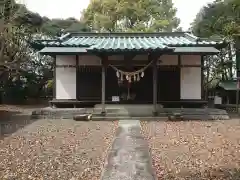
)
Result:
{"points": [[128, 15], [17, 26], [220, 19], [53, 26]]}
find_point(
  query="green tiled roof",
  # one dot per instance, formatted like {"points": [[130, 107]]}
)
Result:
{"points": [[206, 50], [126, 41], [228, 85]]}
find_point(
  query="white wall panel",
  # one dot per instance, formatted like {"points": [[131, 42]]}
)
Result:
{"points": [[66, 78]]}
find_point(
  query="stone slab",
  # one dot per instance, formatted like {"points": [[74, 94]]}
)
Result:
{"points": [[129, 157]]}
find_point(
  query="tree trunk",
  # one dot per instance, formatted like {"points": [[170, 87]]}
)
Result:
{"points": [[230, 61]]}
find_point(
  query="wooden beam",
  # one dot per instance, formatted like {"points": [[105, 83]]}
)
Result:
{"points": [[121, 63], [146, 61], [65, 66], [193, 65]]}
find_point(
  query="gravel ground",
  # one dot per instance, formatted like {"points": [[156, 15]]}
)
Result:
{"points": [[195, 150], [56, 149]]}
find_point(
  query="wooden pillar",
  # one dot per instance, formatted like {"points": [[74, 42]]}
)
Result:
{"points": [[103, 101], [202, 77], [77, 78], [180, 68], [54, 78], [237, 47], [54, 85], [103, 89], [155, 75]]}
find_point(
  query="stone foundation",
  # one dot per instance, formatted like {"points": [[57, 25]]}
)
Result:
{"points": [[62, 113], [114, 112]]}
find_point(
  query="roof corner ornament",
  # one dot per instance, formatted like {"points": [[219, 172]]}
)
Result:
{"points": [[61, 35], [191, 35]]}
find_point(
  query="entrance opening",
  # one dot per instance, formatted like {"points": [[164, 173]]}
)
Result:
{"points": [[141, 92], [89, 83], [130, 93], [169, 83]]}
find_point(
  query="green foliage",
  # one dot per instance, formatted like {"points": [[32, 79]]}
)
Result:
{"points": [[128, 15], [32, 75], [220, 19], [14, 33], [17, 28], [54, 26], [49, 84]]}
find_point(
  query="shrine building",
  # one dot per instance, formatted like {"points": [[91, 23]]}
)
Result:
{"points": [[128, 68]]}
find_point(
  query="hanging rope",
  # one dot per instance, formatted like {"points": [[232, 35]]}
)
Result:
{"points": [[129, 76]]}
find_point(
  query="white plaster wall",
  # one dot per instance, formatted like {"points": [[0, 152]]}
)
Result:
{"points": [[191, 83], [191, 77], [66, 78], [191, 60], [89, 60], [168, 60]]}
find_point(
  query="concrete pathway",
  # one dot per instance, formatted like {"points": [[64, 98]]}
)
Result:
{"points": [[129, 158]]}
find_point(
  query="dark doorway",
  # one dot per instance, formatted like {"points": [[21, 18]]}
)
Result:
{"points": [[89, 83], [112, 87], [140, 92], [168, 83], [144, 88]]}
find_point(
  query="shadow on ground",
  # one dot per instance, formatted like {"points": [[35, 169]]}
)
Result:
{"points": [[211, 174], [12, 121]]}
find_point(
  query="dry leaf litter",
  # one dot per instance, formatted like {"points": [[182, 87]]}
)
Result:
{"points": [[195, 150], [56, 149]]}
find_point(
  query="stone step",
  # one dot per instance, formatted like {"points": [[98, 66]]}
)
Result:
{"points": [[192, 117], [131, 111], [168, 111], [130, 114], [160, 115], [101, 118]]}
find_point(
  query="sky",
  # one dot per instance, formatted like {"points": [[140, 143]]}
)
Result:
{"points": [[187, 9]]}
